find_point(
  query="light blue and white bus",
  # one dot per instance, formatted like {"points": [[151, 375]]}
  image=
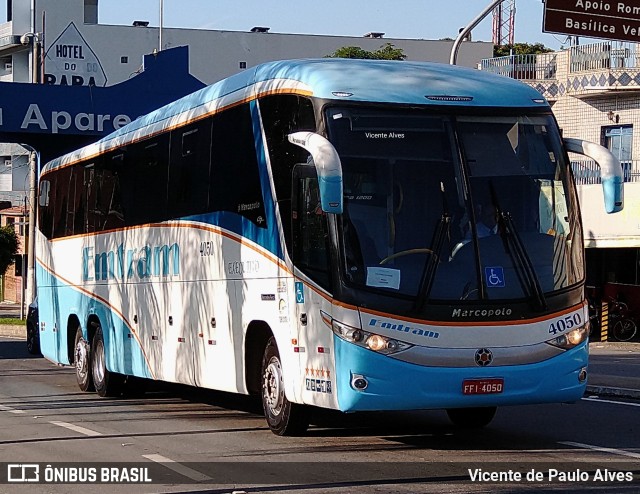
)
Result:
{"points": [[308, 231]]}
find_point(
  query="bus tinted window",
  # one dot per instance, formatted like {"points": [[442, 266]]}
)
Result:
{"points": [[282, 115], [189, 169], [235, 182], [144, 180]]}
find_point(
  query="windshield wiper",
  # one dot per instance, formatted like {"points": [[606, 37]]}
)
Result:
{"points": [[510, 235], [430, 268]]}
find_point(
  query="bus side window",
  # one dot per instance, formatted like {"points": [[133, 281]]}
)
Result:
{"points": [[145, 173], [235, 179], [60, 197], [189, 169], [282, 115], [45, 213]]}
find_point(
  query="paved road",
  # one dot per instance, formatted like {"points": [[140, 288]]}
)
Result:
{"points": [[199, 441]]}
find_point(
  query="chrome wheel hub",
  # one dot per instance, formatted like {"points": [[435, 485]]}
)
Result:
{"points": [[82, 358], [273, 386]]}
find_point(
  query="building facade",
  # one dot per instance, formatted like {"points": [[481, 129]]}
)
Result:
{"points": [[77, 49], [594, 91], [13, 281]]}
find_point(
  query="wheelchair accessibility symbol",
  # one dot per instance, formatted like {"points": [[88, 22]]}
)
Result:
{"points": [[299, 292], [494, 276]]}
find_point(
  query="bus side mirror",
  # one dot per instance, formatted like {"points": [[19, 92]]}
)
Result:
{"points": [[610, 171], [328, 167]]}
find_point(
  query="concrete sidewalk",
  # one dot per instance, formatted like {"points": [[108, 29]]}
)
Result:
{"points": [[614, 368]]}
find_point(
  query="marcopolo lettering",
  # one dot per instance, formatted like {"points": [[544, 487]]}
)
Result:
{"points": [[121, 263], [404, 328], [62, 120], [501, 311]]}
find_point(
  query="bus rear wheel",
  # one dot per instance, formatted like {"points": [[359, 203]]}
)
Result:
{"points": [[471, 418], [106, 383], [82, 362], [284, 418]]}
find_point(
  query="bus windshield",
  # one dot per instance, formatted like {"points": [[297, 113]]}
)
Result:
{"points": [[456, 207]]}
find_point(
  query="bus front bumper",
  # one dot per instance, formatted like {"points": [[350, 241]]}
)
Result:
{"points": [[370, 381]]}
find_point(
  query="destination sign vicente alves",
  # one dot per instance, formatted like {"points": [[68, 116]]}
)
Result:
{"points": [[606, 19]]}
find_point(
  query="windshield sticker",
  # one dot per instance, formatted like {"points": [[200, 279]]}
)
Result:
{"points": [[494, 276], [383, 277]]}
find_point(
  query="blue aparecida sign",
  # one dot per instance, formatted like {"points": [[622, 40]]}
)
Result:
{"points": [[55, 119]]}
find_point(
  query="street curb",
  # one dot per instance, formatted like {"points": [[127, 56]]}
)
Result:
{"points": [[13, 331], [614, 392]]}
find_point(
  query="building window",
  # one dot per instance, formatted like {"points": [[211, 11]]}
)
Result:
{"points": [[91, 11], [124, 59], [242, 65], [619, 141]]}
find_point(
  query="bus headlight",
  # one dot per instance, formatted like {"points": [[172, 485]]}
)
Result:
{"points": [[571, 339], [364, 339]]}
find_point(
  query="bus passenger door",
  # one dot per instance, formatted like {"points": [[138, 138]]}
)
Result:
{"points": [[310, 255]]}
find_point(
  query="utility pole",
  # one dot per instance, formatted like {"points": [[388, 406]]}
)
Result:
{"points": [[161, 23], [453, 58], [31, 246]]}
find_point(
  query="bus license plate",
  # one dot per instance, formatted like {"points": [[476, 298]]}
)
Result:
{"points": [[482, 386]]}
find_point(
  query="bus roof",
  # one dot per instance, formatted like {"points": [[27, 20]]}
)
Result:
{"points": [[376, 81]]}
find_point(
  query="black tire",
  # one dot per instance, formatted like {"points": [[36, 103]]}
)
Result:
{"points": [[624, 329], [283, 417], [107, 383], [82, 362], [33, 340], [471, 418]]}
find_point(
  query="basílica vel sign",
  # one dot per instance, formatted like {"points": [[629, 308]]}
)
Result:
{"points": [[607, 19]]}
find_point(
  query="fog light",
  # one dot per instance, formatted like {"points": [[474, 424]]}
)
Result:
{"points": [[582, 376], [359, 382]]}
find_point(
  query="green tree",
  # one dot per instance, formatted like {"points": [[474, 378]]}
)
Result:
{"points": [[520, 49], [8, 247], [385, 52]]}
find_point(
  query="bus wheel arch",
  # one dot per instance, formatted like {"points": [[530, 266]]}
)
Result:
{"points": [[256, 338]]}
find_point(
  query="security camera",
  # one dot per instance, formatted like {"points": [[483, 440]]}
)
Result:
{"points": [[25, 39]]}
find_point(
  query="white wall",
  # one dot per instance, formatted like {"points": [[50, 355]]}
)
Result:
{"points": [[610, 230]]}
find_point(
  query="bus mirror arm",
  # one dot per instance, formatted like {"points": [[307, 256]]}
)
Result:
{"points": [[610, 171], [328, 166]]}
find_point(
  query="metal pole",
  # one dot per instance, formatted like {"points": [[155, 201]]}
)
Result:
{"points": [[456, 45], [31, 246], [161, 23]]}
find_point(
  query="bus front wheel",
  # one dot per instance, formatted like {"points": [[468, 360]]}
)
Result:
{"points": [[284, 418], [471, 418], [107, 383]]}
